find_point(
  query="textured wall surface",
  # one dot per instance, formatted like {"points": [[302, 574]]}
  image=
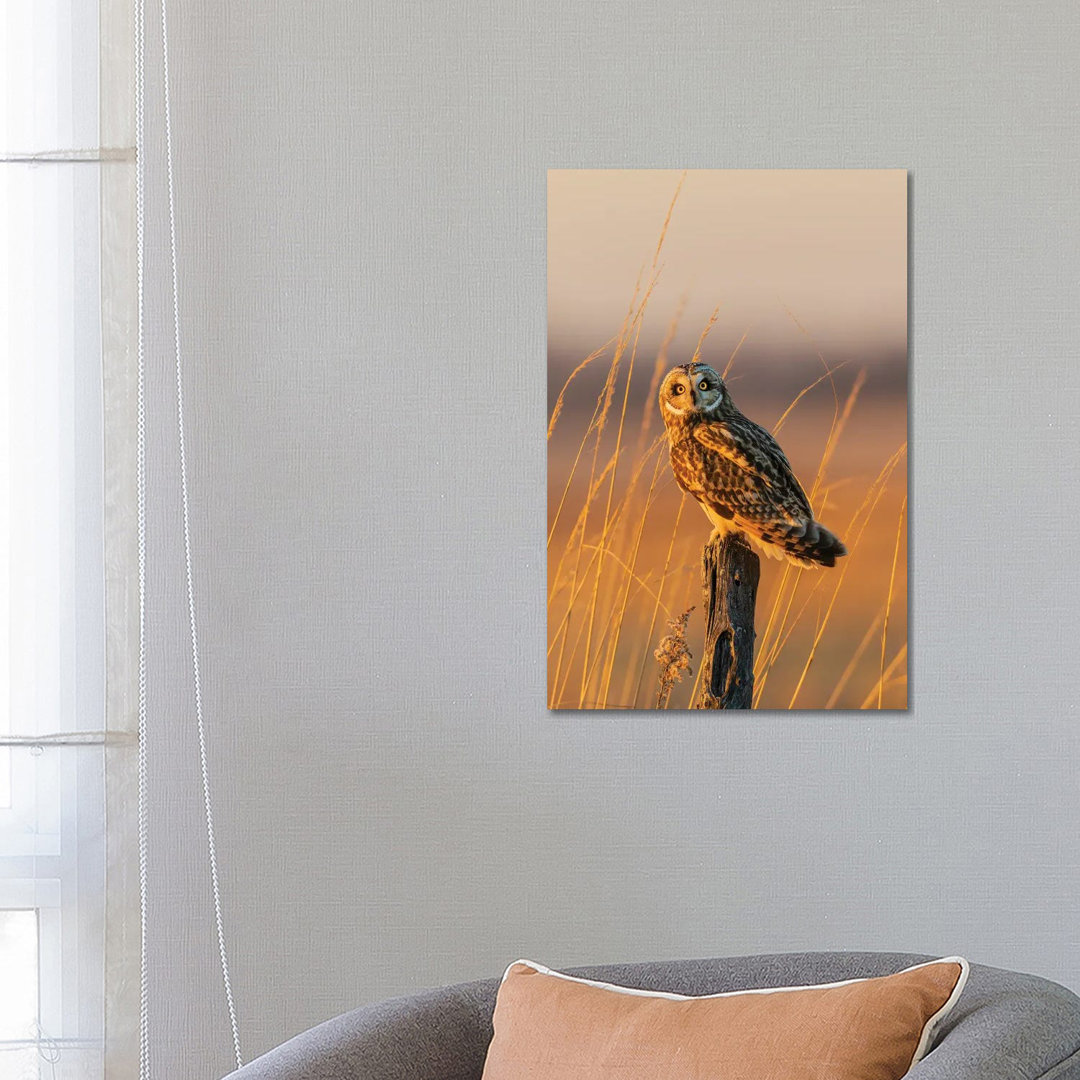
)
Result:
{"points": [[361, 214]]}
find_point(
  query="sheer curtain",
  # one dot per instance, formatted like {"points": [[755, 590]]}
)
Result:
{"points": [[62, 191]]}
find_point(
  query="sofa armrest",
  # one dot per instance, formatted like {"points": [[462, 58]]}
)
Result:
{"points": [[441, 1034], [1007, 1026]]}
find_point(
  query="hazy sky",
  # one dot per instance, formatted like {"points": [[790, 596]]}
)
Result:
{"points": [[830, 245]]}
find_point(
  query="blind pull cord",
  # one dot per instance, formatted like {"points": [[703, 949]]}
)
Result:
{"points": [[140, 95]]}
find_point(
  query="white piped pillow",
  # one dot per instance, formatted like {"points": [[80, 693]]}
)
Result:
{"points": [[550, 1026]]}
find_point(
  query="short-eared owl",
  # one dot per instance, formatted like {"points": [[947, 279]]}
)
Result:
{"points": [[737, 471]]}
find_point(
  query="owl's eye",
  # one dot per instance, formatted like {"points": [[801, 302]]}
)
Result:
{"points": [[703, 385], [678, 388]]}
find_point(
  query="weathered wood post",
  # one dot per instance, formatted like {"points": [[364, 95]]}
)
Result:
{"points": [[730, 573]]}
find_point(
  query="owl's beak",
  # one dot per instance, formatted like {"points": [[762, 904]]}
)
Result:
{"points": [[693, 397]]}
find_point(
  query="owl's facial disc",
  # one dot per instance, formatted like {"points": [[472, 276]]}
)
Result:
{"points": [[691, 389]]}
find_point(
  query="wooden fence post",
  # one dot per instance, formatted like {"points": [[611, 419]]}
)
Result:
{"points": [[730, 573]]}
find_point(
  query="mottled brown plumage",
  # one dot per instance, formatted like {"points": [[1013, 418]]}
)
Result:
{"points": [[738, 472]]}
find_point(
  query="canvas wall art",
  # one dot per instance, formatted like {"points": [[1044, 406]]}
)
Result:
{"points": [[727, 439]]}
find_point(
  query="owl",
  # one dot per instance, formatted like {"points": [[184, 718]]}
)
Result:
{"points": [[738, 472]]}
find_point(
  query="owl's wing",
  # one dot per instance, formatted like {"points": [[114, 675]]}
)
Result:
{"points": [[758, 456]]}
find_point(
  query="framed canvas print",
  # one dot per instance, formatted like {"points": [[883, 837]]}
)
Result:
{"points": [[727, 439]]}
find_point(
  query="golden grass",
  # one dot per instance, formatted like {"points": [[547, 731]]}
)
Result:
{"points": [[888, 602], [595, 355], [624, 543]]}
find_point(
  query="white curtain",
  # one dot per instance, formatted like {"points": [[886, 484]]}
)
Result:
{"points": [[58, 200]]}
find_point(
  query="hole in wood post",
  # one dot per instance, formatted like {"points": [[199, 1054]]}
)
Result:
{"points": [[722, 658]]}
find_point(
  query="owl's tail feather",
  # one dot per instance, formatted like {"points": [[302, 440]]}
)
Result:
{"points": [[815, 547], [811, 546]]}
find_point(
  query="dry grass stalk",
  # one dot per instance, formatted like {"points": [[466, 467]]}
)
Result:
{"points": [[620, 348], [674, 656], [888, 602], [877, 489], [659, 595], [594, 355], [705, 333], [734, 352], [603, 406], [555, 584], [853, 663], [573, 469], [827, 375], [887, 676], [610, 497], [649, 500], [658, 371], [768, 653]]}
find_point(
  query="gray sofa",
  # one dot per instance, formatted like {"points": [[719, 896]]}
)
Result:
{"points": [[1006, 1026]]}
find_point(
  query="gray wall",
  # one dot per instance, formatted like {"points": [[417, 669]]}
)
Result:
{"points": [[361, 214]]}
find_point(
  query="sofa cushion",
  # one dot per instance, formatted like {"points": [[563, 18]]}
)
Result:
{"points": [[551, 1026]]}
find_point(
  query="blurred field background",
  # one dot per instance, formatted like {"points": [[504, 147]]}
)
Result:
{"points": [[796, 282]]}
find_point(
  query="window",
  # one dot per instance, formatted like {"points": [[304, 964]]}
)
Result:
{"points": [[52, 853], [19, 949]]}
